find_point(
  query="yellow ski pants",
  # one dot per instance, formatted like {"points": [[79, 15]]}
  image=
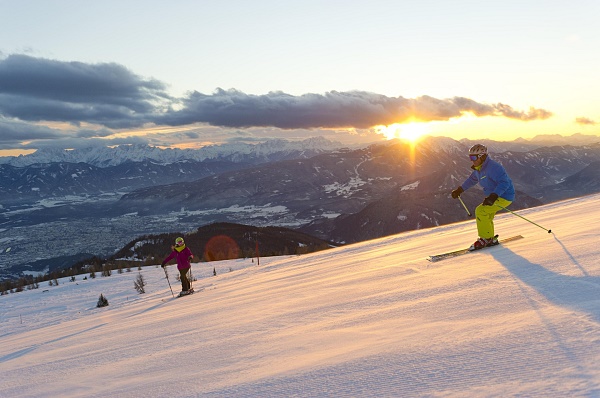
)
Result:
{"points": [[485, 217]]}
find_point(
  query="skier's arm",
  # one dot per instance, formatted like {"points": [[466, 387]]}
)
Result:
{"points": [[470, 181], [168, 258]]}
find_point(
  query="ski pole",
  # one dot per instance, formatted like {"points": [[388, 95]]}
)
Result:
{"points": [[537, 225], [169, 282], [465, 206]]}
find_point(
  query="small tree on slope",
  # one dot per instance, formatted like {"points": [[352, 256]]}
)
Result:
{"points": [[139, 283]]}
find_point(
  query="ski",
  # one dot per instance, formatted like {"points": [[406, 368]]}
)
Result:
{"points": [[456, 253], [183, 295]]}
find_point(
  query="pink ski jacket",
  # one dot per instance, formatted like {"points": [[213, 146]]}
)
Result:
{"points": [[183, 258]]}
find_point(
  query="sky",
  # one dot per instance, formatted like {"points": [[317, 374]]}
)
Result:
{"points": [[372, 319], [194, 73]]}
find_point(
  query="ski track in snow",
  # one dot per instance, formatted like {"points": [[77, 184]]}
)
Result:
{"points": [[369, 319]]}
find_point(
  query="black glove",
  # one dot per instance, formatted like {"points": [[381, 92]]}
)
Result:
{"points": [[163, 265], [456, 193], [490, 199]]}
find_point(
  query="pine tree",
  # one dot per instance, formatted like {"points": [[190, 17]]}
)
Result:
{"points": [[102, 301], [139, 283]]}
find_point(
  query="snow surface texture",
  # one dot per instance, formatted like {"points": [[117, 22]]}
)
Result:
{"points": [[369, 319]]}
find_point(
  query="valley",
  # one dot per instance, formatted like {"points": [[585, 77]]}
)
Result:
{"points": [[52, 212]]}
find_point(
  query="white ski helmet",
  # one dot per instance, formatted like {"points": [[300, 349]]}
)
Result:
{"points": [[478, 149]]}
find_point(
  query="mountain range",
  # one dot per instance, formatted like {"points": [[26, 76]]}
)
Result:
{"points": [[336, 194], [363, 194], [103, 170], [103, 156]]}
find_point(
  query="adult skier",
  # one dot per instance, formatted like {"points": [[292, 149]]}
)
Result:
{"points": [[184, 256], [497, 187]]}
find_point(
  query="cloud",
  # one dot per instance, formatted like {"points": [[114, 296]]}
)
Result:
{"points": [[109, 97], [585, 121], [509, 112], [18, 134], [37, 89], [13, 132], [353, 109]]}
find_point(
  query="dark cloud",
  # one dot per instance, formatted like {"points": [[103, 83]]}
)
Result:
{"points": [[585, 121], [36, 89], [14, 132], [334, 109], [91, 133], [19, 134], [108, 94]]}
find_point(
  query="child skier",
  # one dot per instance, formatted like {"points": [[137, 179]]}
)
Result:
{"points": [[184, 256]]}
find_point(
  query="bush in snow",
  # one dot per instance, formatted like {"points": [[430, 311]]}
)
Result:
{"points": [[106, 270], [102, 301], [139, 283]]}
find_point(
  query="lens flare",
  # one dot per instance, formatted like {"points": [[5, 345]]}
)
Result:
{"points": [[410, 131]]}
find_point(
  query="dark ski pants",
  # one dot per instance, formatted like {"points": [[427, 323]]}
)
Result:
{"points": [[185, 282]]}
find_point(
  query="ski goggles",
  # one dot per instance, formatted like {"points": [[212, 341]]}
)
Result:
{"points": [[179, 243], [473, 157]]}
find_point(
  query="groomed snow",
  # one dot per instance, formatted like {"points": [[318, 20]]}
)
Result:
{"points": [[371, 319]]}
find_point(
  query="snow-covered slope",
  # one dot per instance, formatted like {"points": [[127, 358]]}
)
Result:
{"points": [[369, 319]]}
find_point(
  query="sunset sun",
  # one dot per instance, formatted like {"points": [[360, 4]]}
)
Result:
{"points": [[409, 131]]}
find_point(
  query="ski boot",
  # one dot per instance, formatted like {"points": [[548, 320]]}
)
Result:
{"points": [[482, 242]]}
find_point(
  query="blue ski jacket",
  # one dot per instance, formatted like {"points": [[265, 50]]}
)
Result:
{"points": [[493, 178]]}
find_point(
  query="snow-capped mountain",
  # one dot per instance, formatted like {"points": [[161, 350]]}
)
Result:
{"points": [[329, 189], [270, 150], [60, 179], [586, 181], [543, 140], [97, 171], [343, 196]]}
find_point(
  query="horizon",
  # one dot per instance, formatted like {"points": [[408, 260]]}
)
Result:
{"points": [[352, 74], [415, 140]]}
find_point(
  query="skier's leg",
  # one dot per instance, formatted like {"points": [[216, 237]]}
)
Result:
{"points": [[185, 283], [485, 217], [502, 202]]}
